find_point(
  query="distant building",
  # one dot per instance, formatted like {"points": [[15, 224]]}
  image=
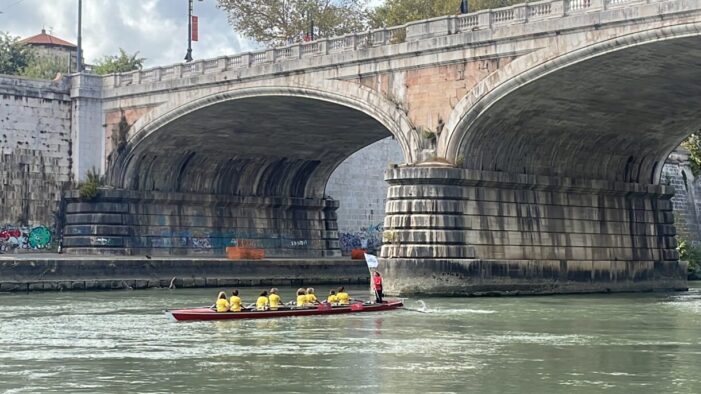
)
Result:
{"points": [[46, 45]]}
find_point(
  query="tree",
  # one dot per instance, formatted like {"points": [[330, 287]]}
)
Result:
{"points": [[119, 63], [14, 56], [281, 22], [45, 67], [399, 12]]}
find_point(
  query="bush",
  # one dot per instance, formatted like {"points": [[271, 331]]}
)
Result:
{"points": [[89, 189], [691, 254]]}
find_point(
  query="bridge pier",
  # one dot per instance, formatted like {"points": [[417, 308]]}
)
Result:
{"points": [[464, 232], [185, 224]]}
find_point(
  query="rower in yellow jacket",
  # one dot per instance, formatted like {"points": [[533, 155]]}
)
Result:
{"points": [[311, 297], [235, 301], [222, 305], [332, 299], [343, 297], [274, 299], [262, 303], [301, 298]]}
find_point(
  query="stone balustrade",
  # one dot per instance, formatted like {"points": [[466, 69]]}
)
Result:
{"points": [[495, 19]]}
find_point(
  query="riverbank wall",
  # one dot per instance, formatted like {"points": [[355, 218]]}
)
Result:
{"points": [[53, 272]]}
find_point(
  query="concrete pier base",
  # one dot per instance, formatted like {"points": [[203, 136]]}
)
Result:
{"points": [[452, 231], [455, 277]]}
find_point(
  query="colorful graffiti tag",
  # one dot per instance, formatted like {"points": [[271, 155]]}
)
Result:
{"points": [[369, 238], [14, 237]]}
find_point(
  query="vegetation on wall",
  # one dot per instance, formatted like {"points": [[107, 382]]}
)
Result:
{"points": [[44, 67], [693, 145], [89, 188], [123, 62], [691, 254]]}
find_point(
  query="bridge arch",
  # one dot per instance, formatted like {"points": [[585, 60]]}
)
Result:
{"points": [[273, 140], [637, 90]]}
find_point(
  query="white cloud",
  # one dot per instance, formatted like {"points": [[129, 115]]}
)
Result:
{"points": [[155, 28]]}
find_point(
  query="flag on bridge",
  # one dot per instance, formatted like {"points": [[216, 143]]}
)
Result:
{"points": [[195, 28], [464, 9]]}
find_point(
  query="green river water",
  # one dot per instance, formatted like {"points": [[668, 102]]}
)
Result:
{"points": [[121, 342]]}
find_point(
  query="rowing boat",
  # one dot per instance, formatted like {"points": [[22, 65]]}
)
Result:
{"points": [[322, 309]]}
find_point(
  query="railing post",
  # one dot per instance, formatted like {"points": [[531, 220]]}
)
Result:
{"points": [[597, 5], [324, 46], [485, 20], [557, 8], [136, 77], [354, 41], [270, 55], [295, 51], [246, 60], [521, 13], [221, 63]]}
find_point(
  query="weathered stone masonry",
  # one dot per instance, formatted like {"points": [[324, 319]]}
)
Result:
{"points": [[36, 149]]}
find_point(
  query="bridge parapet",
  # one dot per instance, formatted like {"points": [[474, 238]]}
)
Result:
{"points": [[497, 20]]}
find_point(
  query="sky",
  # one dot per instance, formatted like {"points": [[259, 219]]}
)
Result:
{"points": [[155, 28]]}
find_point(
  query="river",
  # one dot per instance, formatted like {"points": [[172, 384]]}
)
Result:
{"points": [[120, 341]]}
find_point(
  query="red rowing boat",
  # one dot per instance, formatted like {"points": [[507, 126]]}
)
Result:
{"points": [[323, 309]]}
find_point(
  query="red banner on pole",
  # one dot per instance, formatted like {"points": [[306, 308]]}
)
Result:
{"points": [[195, 26]]}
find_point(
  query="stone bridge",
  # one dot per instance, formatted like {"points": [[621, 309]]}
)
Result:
{"points": [[533, 139]]}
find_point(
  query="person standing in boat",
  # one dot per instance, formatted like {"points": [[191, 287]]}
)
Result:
{"points": [[262, 302], [222, 305], [274, 299], [377, 286], [342, 297], [235, 301]]}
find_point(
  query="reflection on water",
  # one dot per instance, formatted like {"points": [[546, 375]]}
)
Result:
{"points": [[121, 341]]}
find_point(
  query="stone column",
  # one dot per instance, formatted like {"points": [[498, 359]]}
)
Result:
{"points": [[459, 232], [87, 131]]}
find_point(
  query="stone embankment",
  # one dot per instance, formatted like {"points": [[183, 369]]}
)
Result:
{"points": [[53, 272]]}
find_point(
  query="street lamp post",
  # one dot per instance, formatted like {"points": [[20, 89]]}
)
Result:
{"points": [[79, 60], [188, 55]]}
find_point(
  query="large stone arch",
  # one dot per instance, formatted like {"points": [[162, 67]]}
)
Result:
{"points": [[344, 97], [243, 167], [481, 136]]}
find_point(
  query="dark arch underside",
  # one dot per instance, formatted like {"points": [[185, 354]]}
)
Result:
{"points": [[260, 146], [613, 117]]}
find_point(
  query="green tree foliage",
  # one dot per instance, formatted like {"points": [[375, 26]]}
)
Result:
{"points": [[14, 56], [280, 22], [119, 63], [45, 67], [399, 12], [693, 145]]}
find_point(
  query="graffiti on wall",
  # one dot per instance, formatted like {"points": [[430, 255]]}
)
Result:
{"points": [[369, 238], [21, 237], [218, 241]]}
